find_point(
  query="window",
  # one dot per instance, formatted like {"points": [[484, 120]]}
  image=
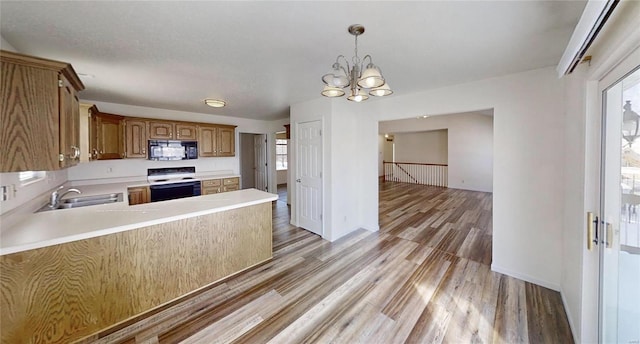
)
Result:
{"points": [[29, 177], [281, 154]]}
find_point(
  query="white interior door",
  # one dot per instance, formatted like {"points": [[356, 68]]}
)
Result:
{"points": [[309, 176], [260, 163], [619, 235]]}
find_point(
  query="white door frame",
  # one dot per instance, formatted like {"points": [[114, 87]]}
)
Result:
{"points": [[614, 66]]}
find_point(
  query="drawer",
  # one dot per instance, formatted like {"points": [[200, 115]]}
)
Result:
{"points": [[211, 182], [231, 181], [232, 188], [210, 190]]}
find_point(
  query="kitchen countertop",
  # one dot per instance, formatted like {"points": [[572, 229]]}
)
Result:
{"points": [[65, 225]]}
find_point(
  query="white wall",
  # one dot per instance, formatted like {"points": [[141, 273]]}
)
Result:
{"points": [[4, 45], [528, 162], [423, 147], [138, 167], [470, 146], [24, 194], [282, 176]]}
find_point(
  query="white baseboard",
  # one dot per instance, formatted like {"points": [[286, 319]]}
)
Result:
{"points": [[572, 326], [526, 278]]}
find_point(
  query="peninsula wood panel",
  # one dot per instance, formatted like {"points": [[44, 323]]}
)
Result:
{"points": [[62, 293], [391, 286]]}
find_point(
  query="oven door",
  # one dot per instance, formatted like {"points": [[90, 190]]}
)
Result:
{"points": [[166, 192]]}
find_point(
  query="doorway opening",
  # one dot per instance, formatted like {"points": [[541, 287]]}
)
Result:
{"points": [[436, 182], [253, 161], [282, 166]]}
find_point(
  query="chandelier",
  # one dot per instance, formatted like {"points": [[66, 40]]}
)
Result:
{"points": [[356, 78]]}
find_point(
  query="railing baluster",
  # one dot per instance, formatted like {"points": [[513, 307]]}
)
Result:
{"points": [[416, 173]]}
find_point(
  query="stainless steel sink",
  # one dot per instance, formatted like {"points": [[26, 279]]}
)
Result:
{"points": [[76, 202]]}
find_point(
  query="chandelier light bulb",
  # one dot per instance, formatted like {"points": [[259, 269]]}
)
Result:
{"points": [[330, 91], [381, 91]]}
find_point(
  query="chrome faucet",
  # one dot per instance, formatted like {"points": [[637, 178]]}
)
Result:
{"points": [[55, 198]]}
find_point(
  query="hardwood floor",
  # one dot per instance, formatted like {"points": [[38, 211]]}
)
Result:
{"points": [[424, 277]]}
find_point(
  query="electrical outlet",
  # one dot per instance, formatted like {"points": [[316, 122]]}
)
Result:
{"points": [[5, 193]]}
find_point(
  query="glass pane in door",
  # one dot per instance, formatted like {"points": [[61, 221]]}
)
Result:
{"points": [[620, 234]]}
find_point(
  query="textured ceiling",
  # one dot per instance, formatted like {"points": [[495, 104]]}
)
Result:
{"points": [[263, 56]]}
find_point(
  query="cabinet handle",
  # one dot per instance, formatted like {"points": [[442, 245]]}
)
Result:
{"points": [[76, 152]]}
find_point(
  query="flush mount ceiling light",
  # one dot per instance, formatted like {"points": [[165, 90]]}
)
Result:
{"points": [[215, 103], [358, 78]]}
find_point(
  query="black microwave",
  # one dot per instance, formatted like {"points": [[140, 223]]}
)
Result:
{"points": [[173, 150]]}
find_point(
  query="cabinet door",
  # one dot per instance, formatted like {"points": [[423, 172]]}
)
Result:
{"points": [[29, 124], [160, 130], [69, 123], [226, 141], [139, 195], [207, 142], [186, 131], [135, 136], [109, 136]]}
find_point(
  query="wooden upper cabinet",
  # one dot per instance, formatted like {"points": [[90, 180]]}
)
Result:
{"points": [[160, 130], [208, 142], [186, 131], [69, 124], [135, 136], [226, 141], [166, 130], [106, 136], [39, 112], [216, 140]]}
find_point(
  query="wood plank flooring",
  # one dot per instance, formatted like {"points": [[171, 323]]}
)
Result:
{"points": [[423, 278]]}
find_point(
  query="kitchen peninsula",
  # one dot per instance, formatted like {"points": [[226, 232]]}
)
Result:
{"points": [[90, 268]]}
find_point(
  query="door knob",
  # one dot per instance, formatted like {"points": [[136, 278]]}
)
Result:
{"points": [[298, 180]]}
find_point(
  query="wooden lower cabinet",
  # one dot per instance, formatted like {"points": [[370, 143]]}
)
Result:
{"points": [[231, 184], [211, 186], [139, 195]]}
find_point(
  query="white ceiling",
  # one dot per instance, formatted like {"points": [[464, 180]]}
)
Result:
{"points": [[263, 56]]}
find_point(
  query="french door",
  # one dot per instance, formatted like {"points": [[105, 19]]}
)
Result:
{"points": [[618, 239]]}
